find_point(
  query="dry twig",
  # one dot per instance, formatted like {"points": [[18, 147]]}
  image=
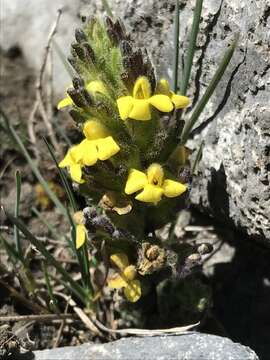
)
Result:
{"points": [[39, 88], [39, 317], [31, 130]]}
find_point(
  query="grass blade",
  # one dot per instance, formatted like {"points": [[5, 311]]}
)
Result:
{"points": [[16, 213], [107, 8], [10, 250], [63, 59], [76, 288], [209, 91], [63, 178], [50, 227], [82, 253], [176, 47], [191, 47], [53, 301], [197, 158], [13, 134]]}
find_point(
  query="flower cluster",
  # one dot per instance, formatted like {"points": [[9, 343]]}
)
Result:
{"points": [[127, 148]]}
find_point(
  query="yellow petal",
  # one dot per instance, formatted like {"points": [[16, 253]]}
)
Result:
{"points": [[80, 235], [161, 102], [155, 174], [130, 272], [116, 282], [163, 87], [120, 260], [76, 172], [93, 130], [107, 148], [76, 153], [180, 101], [140, 110], [150, 194], [87, 152], [173, 188], [133, 291], [125, 105], [67, 161], [136, 181], [96, 86], [142, 88], [67, 101]]}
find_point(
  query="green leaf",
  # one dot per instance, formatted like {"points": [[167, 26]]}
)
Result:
{"points": [[81, 254], [50, 227], [76, 288], [10, 250], [53, 300], [107, 8], [15, 137], [16, 213], [63, 59], [209, 91], [191, 47], [176, 47], [63, 178], [197, 159]]}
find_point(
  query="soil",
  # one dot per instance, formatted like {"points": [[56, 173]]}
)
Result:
{"points": [[239, 272]]}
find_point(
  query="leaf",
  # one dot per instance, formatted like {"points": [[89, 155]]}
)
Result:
{"points": [[176, 47], [15, 137], [16, 213], [191, 47], [209, 91], [63, 179], [107, 8], [76, 288]]}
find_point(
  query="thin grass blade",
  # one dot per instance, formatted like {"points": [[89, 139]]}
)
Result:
{"points": [[63, 178], [10, 250], [209, 91], [16, 212], [191, 47], [107, 8], [13, 134], [63, 59], [176, 47], [53, 301], [76, 288], [50, 227], [82, 253], [197, 158]]}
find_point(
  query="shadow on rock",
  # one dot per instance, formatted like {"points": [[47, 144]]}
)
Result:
{"points": [[241, 295]]}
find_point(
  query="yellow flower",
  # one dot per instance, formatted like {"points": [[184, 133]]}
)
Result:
{"points": [[93, 87], [96, 146], [81, 232], [179, 101], [152, 184], [97, 136], [138, 106], [126, 278], [74, 165]]}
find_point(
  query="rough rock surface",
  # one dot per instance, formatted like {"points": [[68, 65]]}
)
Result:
{"points": [[189, 347], [232, 182], [233, 178]]}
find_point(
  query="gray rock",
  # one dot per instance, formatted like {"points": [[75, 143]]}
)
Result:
{"points": [[186, 347]]}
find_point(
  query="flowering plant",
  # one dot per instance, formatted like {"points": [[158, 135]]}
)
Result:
{"points": [[128, 163], [130, 171]]}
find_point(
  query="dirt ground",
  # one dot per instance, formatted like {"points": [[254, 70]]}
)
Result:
{"points": [[238, 273]]}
